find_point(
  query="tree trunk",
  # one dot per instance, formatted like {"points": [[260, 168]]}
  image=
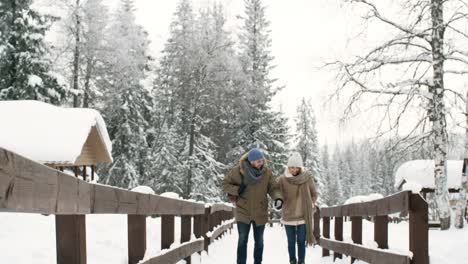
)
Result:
{"points": [[190, 156], [437, 114], [461, 205], [86, 95], [76, 55]]}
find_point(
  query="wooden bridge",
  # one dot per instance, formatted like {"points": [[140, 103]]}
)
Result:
{"points": [[29, 187]]}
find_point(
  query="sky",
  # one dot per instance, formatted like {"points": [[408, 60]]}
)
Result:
{"points": [[305, 34]]}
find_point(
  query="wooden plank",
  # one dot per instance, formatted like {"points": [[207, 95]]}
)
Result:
{"points": [[326, 234], [381, 231], [419, 230], [186, 233], [338, 235], [136, 238], [29, 187], [365, 254], [175, 255], [70, 232], [218, 231], [398, 202], [356, 231], [167, 231]]}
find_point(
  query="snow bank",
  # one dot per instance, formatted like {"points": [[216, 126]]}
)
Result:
{"points": [[421, 172], [364, 198], [48, 133], [143, 189]]}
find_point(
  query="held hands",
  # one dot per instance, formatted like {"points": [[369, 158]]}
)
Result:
{"points": [[232, 199], [278, 204]]}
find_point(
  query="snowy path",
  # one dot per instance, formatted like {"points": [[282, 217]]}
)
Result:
{"points": [[275, 250]]}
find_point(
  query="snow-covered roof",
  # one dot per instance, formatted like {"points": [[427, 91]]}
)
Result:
{"points": [[421, 173], [51, 134]]}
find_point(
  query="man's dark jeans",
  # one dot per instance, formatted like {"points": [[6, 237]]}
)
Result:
{"points": [[296, 234], [244, 230]]}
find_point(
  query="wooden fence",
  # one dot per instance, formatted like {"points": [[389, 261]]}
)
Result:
{"points": [[29, 187], [379, 210]]}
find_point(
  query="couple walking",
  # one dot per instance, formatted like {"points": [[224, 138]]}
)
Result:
{"points": [[248, 184]]}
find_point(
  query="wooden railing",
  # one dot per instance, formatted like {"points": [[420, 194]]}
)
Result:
{"points": [[29, 187], [379, 210]]}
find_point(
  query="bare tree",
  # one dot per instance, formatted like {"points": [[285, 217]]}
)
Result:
{"points": [[405, 75], [461, 205]]}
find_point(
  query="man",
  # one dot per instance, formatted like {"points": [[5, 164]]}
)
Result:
{"points": [[247, 185]]}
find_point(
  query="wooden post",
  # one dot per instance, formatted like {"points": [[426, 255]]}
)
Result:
{"points": [[381, 231], [356, 231], [83, 173], [167, 231], [317, 225], [419, 230], [206, 227], [70, 234], [326, 234], [93, 167], [198, 226], [186, 232], [136, 238], [338, 235]]}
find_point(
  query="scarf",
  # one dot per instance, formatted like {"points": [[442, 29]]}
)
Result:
{"points": [[309, 209], [251, 175]]}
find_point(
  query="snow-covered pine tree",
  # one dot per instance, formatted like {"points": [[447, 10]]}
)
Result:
{"points": [[25, 69], [336, 176], [325, 162], [127, 104], [255, 54], [192, 68], [306, 142]]}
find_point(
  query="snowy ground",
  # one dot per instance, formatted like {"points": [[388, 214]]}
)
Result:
{"points": [[30, 238]]}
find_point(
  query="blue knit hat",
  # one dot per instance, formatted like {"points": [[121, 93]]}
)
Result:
{"points": [[255, 154]]}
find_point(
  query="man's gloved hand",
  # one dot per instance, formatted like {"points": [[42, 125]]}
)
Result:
{"points": [[278, 204], [242, 188]]}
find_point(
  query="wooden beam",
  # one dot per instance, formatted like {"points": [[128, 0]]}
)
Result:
{"points": [[70, 232], [29, 187], [366, 254], [136, 238], [389, 205], [176, 254]]}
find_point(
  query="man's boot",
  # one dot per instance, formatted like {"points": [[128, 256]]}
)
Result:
{"points": [[292, 262]]}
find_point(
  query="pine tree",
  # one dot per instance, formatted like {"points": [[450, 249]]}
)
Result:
{"points": [[254, 102], [25, 69], [306, 141], [127, 103]]}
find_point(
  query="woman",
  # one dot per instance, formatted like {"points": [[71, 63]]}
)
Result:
{"points": [[300, 195]]}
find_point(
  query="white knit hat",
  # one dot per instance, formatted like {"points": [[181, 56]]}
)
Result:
{"points": [[295, 160]]}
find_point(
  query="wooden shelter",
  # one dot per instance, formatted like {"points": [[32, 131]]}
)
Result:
{"points": [[73, 140]]}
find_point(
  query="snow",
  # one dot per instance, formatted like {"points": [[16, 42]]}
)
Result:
{"points": [[422, 173], [34, 80], [414, 187], [172, 195], [364, 198], [143, 189], [30, 238], [48, 133]]}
